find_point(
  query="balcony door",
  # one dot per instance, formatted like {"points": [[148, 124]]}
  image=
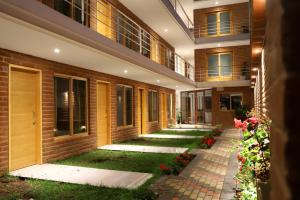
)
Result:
{"points": [[219, 65], [218, 23]]}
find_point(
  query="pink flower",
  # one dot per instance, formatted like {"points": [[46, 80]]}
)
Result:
{"points": [[253, 120], [240, 124]]}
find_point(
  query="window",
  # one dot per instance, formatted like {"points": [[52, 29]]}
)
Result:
{"points": [[230, 101], [70, 106], [152, 106], [219, 64], [218, 23], [71, 8], [124, 105]]}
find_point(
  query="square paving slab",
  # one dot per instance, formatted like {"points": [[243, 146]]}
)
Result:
{"points": [[140, 148], [169, 136], [84, 175]]}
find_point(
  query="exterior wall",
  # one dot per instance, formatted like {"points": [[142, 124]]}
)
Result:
{"points": [[55, 148], [226, 117], [240, 54], [240, 13]]}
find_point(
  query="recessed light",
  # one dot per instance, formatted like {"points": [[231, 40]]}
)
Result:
{"points": [[217, 3], [253, 76], [254, 69], [125, 71], [177, 86], [56, 50], [219, 44], [166, 30], [158, 81]]}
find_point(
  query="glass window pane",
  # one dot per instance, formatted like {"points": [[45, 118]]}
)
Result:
{"points": [[212, 24], [63, 7], [225, 23], [154, 106], [78, 11], [62, 107], [120, 101], [225, 102], [236, 102], [128, 106], [79, 107], [213, 69], [226, 64]]}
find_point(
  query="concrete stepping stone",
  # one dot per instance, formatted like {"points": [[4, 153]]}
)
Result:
{"points": [[169, 136], [84, 175], [187, 129], [146, 149]]}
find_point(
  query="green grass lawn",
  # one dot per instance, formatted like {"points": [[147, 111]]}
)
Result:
{"points": [[186, 143], [191, 133], [117, 160]]}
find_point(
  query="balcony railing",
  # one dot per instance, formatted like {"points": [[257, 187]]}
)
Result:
{"points": [[107, 20], [225, 28], [225, 73], [182, 13]]}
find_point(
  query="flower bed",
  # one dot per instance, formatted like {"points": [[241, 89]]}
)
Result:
{"points": [[207, 142], [254, 157], [178, 165]]}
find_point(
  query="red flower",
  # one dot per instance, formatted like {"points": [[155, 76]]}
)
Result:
{"points": [[253, 120], [163, 167], [210, 142], [240, 124]]}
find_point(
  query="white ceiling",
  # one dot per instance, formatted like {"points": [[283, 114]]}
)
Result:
{"points": [[191, 5], [22, 37], [156, 15]]}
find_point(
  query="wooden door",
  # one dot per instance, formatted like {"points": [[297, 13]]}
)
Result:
{"points": [[142, 113], [24, 118], [163, 106], [103, 116]]}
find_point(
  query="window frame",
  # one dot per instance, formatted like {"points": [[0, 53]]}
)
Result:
{"points": [[71, 106], [124, 106], [218, 22], [219, 64], [230, 102], [157, 106]]}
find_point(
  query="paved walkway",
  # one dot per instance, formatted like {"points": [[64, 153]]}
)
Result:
{"points": [[140, 148], [208, 177], [170, 136], [187, 129], [84, 175]]}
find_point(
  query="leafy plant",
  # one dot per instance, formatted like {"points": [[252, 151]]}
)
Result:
{"points": [[242, 112]]}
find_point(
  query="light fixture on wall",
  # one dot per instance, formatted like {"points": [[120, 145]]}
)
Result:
{"points": [[253, 76], [257, 50], [254, 69], [56, 50]]}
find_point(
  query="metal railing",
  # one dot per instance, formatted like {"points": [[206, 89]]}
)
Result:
{"points": [[107, 20], [225, 73], [222, 28], [182, 13]]}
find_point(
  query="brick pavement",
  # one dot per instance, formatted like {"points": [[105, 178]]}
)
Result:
{"points": [[208, 177]]}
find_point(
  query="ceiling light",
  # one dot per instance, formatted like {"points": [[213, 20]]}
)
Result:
{"points": [[166, 30], [56, 50], [217, 3], [253, 76], [177, 86], [253, 83], [125, 71], [219, 44], [158, 81], [257, 50], [252, 86], [255, 69]]}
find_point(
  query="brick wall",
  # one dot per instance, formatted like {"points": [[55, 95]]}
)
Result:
{"points": [[58, 148], [239, 13], [240, 54], [226, 117]]}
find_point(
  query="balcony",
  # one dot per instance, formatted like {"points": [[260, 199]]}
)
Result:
{"points": [[105, 19], [235, 75], [222, 31]]}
